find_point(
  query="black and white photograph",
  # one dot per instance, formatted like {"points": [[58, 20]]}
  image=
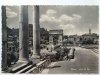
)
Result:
{"points": [[44, 39]]}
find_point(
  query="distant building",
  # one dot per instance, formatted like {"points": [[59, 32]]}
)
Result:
{"points": [[93, 36], [73, 39], [89, 38], [12, 39]]}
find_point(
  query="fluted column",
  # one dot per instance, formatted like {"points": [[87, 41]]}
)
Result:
{"points": [[36, 33], [4, 39], [23, 34]]}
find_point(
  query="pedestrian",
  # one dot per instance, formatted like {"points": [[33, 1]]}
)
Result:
{"points": [[57, 55], [73, 53]]}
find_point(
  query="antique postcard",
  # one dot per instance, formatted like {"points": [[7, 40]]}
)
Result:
{"points": [[50, 39]]}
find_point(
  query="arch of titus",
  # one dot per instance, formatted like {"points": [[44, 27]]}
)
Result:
{"points": [[23, 35], [56, 37]]}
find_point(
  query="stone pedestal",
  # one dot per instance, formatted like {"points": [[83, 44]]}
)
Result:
{"points": [[23, 34], [4, 39], [36, 33]]}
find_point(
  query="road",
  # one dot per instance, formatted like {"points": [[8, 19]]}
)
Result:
{"points": [[85, 61]]}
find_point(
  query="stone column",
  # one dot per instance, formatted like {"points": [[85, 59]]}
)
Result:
{"points": [[4, 39], [23, 34], [36, 33]]}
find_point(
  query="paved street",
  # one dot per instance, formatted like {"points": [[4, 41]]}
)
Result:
{"points": [[86, 61]]}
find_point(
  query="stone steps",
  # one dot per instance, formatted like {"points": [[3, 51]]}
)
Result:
{"points": [[25, 69], [22, 68], [29, 67], [18, 68]]}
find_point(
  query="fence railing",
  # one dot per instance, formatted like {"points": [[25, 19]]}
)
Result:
{"points": [[40, 66]]}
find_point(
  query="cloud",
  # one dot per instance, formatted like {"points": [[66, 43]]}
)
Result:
{"points": [[62, 21], [76, 17], [51, 12], [65, 19], [68, 26], [49, 16], [10, 13], [46, 18]]}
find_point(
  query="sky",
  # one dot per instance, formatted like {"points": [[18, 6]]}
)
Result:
{"points": [[72, 19]]}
